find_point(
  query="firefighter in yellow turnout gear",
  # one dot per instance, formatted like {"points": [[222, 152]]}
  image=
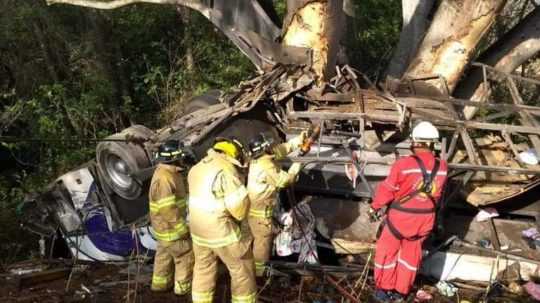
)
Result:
{"points": [[265, 179], [218, 201], [173, 261]]}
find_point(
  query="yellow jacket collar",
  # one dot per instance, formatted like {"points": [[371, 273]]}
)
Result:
{"points": [[213, 153]]}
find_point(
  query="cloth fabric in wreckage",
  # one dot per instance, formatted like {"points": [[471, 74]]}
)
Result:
{"points": [[297, 238]]}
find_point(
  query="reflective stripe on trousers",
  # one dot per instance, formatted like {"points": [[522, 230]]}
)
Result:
{"points": [[182, 287], [176, 233], [261, 213], [202, 297], [220, 242], [259, 268], [161, 281], [251, 298]]}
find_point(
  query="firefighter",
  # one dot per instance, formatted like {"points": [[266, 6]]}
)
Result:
{"points": [[265, 179], [411, 193], [218, 202], [167, 196]]}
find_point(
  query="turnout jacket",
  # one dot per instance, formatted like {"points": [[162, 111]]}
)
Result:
{"points": [[167, 199], [218, 200], [266, 177]]}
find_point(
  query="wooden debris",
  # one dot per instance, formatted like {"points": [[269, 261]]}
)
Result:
{"points": [[341, 290], [28, 280]]}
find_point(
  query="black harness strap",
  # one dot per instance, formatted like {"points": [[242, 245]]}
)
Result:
{"points": [[394, 231], [426, 188], [412, 210]]}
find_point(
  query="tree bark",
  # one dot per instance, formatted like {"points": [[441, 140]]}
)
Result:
{"points": [[510, 51], [185, 17], [52, 64], [318, 25], [446, 50], [107, 52], [415, 20]]}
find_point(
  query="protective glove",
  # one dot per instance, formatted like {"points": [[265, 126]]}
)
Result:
{"points": [[295, 169], [297, 141], [375, 214]]}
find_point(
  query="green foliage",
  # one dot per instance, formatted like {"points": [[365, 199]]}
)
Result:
{"points": [[68, 72], [372, 34]]}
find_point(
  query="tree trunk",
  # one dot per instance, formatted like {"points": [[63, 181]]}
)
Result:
{"points": [[415, 20], [185, 17], [51, 63], [107, 52], [318, 25], [510, 51], [446, 50]]}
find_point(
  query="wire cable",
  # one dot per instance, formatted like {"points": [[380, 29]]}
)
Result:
{"points": [[15, 139]]}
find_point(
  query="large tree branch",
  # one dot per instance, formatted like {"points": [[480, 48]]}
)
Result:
{"points": [[415, 21], [454, 33], [511, 50], [194, 4]]}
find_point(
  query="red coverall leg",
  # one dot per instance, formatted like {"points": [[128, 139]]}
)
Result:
{"points": [[386, 254], [399, 249], [397, 262]]}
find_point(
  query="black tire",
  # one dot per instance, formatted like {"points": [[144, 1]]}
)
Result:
{"points": [[243, 127], [211, 97], [117, 161]]}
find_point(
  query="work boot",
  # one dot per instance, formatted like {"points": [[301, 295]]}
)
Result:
{"points": [[382, 296]]}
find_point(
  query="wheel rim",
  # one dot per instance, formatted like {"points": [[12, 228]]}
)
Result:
{"points": [[118, 170]]}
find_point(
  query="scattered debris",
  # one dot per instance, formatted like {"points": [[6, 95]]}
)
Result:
{"points": [[341, 290], [31, 279], [24, 271], [532, 289], [529, 157], [532, 236], [297, 234], [515, 288], [471, 267], [486, 213], [422, 296], [446, 288], [485, 243]]}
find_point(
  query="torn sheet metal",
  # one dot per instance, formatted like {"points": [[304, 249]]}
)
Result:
{"points": [[468, 267], [78, 183]]}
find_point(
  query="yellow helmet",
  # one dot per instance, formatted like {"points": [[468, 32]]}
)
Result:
{"points": [[230, 147]]}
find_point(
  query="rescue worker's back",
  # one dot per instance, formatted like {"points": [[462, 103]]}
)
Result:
{"points": [[218, 200]]}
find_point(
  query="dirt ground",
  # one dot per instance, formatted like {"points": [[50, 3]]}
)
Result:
{"points": [[95, 282]]}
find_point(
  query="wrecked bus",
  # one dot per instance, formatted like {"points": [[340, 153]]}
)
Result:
{"points": [[101, 208]]}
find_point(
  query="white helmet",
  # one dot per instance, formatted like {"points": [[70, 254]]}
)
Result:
{"points": [[425, 132]]}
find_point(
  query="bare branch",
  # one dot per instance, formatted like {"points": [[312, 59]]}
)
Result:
{"points": [[193, 4]]}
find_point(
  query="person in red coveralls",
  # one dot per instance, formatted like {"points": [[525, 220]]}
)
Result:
{"points": [[410, 193]]}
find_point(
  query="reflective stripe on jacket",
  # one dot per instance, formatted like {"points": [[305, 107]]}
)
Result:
{"points": [[217, 200], [265, 178], [167, 199], [404, 178]]}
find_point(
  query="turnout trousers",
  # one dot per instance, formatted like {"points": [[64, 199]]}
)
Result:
{"points": [[396, 262], [173, 262], [238, 259], [261, 229]]}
